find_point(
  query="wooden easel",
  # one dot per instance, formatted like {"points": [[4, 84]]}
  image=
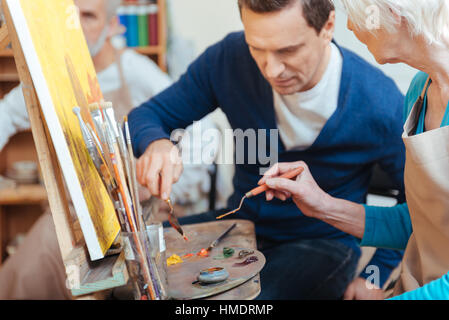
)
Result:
{"points": [[94, 278]]}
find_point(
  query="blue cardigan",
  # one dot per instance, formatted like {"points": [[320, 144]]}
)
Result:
{"points": [[364, 130]]}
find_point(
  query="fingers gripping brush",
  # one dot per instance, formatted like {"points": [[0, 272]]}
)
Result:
{"points": [[256, 191]]}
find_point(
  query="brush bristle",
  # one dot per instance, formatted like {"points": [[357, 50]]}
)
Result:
{"points": [[106, 104], [94, 107], [125, 119]]}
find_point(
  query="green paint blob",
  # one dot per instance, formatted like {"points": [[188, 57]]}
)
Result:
{"points": [[227, 253]]}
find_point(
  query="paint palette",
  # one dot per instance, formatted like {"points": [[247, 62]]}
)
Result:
{"points": [[183, 281]]}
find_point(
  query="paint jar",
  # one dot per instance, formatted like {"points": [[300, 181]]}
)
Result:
{"points": [[148, 279], [157, 252]]}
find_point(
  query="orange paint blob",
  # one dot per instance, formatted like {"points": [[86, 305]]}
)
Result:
{"points": [[203, 253], [188, 255]]}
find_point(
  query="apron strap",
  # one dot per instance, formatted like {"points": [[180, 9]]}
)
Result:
{"points": [[424, 90], [124, 85], [419, 106]]}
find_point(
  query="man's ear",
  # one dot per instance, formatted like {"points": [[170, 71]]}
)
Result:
{"points": [[327, 33]]}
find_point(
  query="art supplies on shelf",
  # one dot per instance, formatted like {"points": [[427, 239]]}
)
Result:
{"points": [[108, 144], [140, 18]]}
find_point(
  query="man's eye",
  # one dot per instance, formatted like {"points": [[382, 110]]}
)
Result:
{"points": [[88, 16], [288, 51]]}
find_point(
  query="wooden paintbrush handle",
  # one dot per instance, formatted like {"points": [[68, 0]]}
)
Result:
{"points": [[288, 175]]}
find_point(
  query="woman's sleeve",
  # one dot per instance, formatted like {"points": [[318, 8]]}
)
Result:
{"points": [[14, 115], [387, 227]]}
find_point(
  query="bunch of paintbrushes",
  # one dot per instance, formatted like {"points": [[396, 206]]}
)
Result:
{"points": [[111, 152]]}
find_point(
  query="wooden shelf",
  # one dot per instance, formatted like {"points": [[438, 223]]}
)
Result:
{"points": [[149, 50], [9, 77], [142, 50], [23, 194], [6, 53]]}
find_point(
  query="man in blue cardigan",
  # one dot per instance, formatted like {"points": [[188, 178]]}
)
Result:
{"points": [[313, 101]]}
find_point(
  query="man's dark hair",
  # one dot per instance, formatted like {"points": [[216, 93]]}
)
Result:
{"points": [[316, 12]]}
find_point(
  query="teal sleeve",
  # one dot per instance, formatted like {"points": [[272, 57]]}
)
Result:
{"points": [[435, 290], [387, 227], [414, 91]]}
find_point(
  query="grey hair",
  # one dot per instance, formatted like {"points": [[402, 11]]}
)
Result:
{"points": [[427, 18], [111, 8]]}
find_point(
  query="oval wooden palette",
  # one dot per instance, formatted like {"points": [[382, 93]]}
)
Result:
{"points": [[182, 276]]}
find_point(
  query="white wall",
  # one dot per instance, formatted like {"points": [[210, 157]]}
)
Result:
{"points": [[203, 22]]}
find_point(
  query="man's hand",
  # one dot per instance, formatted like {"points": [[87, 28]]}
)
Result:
{"points": [[358, 290], [306, 193], [159, 167]]}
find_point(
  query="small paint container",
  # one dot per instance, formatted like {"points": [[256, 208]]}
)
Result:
{"points": [[213, 275]]}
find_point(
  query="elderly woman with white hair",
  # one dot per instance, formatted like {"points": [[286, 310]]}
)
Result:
{"points": [[414, 32]]}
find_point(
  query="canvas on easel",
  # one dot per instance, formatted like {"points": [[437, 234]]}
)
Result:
{"points": [[63, 76]]}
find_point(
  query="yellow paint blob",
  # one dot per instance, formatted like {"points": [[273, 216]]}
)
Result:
{"points": [[174, 259]]}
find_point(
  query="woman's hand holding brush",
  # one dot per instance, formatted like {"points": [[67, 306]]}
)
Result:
{"points": [[290, 174], [305, 192]]}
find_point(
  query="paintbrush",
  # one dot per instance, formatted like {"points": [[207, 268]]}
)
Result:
{"points": [[100, 129], [173, 220], [133, 176], [215, 242], [256, 191], [108, 110], [84, 131], [95, 151], [101, 165], [120, 182], [114, 138], [128, 165], [98, 119]]}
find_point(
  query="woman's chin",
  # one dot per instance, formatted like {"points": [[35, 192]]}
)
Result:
{"points": [[386, 60]]}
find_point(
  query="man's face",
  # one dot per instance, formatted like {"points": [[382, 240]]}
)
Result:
{"points": [[93, 18], [288, 52]]}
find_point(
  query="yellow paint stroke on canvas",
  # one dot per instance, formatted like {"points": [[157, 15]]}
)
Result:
{"points": [[71, 78]]}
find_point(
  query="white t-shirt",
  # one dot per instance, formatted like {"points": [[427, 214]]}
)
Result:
{"points": [[301, 116]]}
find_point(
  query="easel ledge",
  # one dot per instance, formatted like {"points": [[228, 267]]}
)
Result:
{"points": [[94, 278]]}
